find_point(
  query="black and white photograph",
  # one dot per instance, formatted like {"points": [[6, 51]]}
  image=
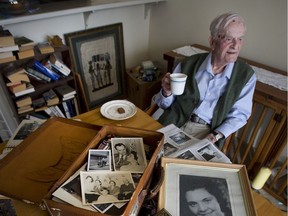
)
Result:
{"points": [[128, 154], [208, 153], [169, 148], [203, 196], [106, 187], [99, 160], [180, 138], [187, 155], [193, 187]]}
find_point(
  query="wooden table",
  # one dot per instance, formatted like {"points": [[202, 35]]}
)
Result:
{"points": [[143, 121]]}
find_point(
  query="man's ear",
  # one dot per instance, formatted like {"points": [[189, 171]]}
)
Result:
{"points": [[212, 42]]}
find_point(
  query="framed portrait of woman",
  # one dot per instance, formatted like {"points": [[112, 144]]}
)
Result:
{"points": [[192, 187]]}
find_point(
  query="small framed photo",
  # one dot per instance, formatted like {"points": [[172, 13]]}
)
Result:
{"points": [[128, 154], [106, 187], [99, 160], [191, 187]]}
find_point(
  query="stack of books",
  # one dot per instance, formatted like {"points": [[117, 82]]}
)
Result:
{"points": [[45, 48], [7, 46], [51, 97], [26, 47], [18, 82], [65, 92], [24, 104], [58, 66]]}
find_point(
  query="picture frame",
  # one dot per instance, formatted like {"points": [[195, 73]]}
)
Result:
{"points": [[97, 54], [188, 182]]}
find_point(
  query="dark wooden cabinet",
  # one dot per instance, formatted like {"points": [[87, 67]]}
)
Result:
{"points": [[141, 92]]}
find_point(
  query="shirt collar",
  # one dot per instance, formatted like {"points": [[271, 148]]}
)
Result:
{"points": [[207, 66]]}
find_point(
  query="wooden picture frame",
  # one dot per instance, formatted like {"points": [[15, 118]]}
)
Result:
{"points": [[186, 179], [97, 54]]}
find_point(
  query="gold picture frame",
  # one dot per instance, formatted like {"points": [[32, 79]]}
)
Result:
{"points": [[233, 197]]}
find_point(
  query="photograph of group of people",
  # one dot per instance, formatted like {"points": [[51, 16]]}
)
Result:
{"points": [[109, 178]]}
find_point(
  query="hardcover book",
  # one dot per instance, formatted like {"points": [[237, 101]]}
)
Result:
{"points": [[51, 97], [26, 54], [6, 38], [45, 48], [41, 68], [8, 59], [24, 42], [24, 101], [29, 89], [17, 75], [65, 91]]}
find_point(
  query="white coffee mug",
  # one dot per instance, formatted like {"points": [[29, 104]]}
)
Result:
{"points": [[177, 83]]}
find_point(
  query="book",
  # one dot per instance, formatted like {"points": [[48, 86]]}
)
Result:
{"points": [[7, 59], [57, 111], [29, 89], [41, 68], [26, 54], [39, 104], [45, 48], [17, 75], [24, 43], [6, 38], [65, 91], [67, 110], [24, 101], [18, 87], [6, 54], [50, 97], [39, 75], [59, 64], [25, 109], [9, 48]]}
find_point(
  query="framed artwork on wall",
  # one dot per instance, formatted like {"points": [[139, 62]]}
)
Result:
{"points": [[194, 187], [97, 54]]}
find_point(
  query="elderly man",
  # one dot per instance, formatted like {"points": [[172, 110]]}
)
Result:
{"points": [[217, 99]]}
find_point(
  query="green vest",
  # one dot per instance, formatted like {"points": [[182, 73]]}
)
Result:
{"points": [[180, 111]]}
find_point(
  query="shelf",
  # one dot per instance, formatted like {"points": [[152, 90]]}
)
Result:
{"points": [[72, 7]]}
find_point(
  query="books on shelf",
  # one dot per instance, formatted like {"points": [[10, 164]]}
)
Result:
{"points": [[51, 97], [7, 59], [6, 38], [41, 68], [26, 54], [58, 64], [17, 75], [9, 48], [54, 111], [65, 92], [24, 43], [16, 87], [45, 48], [25, 109], [4, 55], [29, 89], [39, 104], [38, 75], [24, 101]]}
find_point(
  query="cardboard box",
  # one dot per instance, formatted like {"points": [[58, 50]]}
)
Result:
{"points": [[54, 152]]}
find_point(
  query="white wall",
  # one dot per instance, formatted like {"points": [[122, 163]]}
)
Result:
{"points": [[135, 28], [183, 22]]}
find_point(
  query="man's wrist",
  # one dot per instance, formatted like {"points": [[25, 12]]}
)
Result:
{"points": [[217, 135], [165, 94]]}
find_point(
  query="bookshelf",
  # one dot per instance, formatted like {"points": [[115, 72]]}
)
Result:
{"points": [[40, 86]]}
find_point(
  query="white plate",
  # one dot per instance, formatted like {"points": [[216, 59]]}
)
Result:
{"points": [[109, 109]]}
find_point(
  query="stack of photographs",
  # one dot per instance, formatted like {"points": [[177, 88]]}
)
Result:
{"points": [[107, 181]]}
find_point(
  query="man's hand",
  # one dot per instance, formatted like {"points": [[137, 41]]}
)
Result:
{"points": [[166, 89]]}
